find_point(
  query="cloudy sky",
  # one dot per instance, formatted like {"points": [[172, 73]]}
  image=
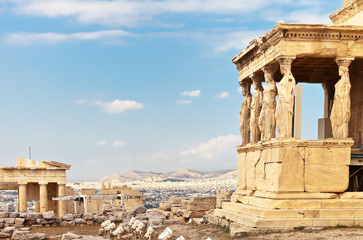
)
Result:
{"points": [[110, 86]]}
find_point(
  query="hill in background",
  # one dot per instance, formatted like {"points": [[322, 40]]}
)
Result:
{"points": [[152, 176]]}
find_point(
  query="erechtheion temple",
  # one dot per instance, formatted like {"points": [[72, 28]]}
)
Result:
{"points": [[285, 182]]}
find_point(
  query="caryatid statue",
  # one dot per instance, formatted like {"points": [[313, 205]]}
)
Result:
{"points": [[340, 114], [285, 99], [245, 113], [266, 121], [256, 107]]}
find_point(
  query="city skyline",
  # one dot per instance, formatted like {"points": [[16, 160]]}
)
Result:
{"points": [[111, 86]]}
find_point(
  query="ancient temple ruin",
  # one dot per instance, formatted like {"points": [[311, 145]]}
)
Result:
{"points": [[285, 182], [38, 181]]}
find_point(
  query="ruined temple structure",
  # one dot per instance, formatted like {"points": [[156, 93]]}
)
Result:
{"points": [[285, 182], [38, 181]]}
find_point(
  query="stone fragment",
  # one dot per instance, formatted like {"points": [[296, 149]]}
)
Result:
{"points": [[138, 210], [69, 236], [68, 217], [41, 221], [19, 235], [34, 216], [4, 214], [9, 229], [88, 216], [77, 215], [5, 235], [13, 214], [36, 236], [80, 221], [9, 220], [19, 221], [49, 215], [71, 223], [165, 206], [64, 223], [175, 200]]}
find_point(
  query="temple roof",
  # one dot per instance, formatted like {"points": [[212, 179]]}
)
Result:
{"points": [[306, 42], [23, 163]]}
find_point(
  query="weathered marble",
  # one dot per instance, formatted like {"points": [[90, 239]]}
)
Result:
{"points": [[285, 100], [245, 113], [340, 114], [256, 107], [266, 122]]}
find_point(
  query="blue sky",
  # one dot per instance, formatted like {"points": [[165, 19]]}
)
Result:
{"points": [[110, 86]]}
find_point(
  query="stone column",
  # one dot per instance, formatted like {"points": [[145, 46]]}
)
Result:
{"points": [[266, 121], [285, 100], [245, 113], [340, 113], [22, 201], [61, 203], [256, 107], [329, 92], [43, 197]]}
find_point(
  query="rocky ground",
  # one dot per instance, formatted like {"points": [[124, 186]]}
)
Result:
{"points": [[202, 232]]}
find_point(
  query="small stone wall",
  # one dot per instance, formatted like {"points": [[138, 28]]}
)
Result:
{"points": [[181, 209]]}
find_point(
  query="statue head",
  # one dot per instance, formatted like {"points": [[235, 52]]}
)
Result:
{"points": [[246, 88], [257, 81], [343, 70]]}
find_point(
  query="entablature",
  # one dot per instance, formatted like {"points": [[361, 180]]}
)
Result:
{"points": [[302, 41]]}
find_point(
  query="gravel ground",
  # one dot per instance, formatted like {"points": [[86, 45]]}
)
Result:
{"points": [[202, 232]]}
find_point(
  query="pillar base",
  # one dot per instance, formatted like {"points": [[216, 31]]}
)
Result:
{"points": [[262, 213]]}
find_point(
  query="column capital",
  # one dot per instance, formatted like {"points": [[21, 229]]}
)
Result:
{"points": [[344, 61], [285, 62], [256, 77], [269, 69]]}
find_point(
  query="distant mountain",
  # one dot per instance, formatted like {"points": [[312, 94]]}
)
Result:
{"points": [[181, 174], [130, 176]]}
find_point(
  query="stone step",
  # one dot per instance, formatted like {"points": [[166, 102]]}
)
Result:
{"points": [[302, 203], [251, 221], [292, 213]]}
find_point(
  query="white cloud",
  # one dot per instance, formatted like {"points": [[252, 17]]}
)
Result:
{"points": [[119, 106], [184, 102], [130, 13], [54, 38], [214, 148], [101, 143], [118, 144], [222, 95], [194, 93]]}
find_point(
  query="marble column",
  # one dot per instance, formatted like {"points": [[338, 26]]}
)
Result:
{"points": [[285, 99], [61, 203], [256, 107], [266, 121], [340, 113], [22, 200], [329, 92], [43, 197], [245, 113]]}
